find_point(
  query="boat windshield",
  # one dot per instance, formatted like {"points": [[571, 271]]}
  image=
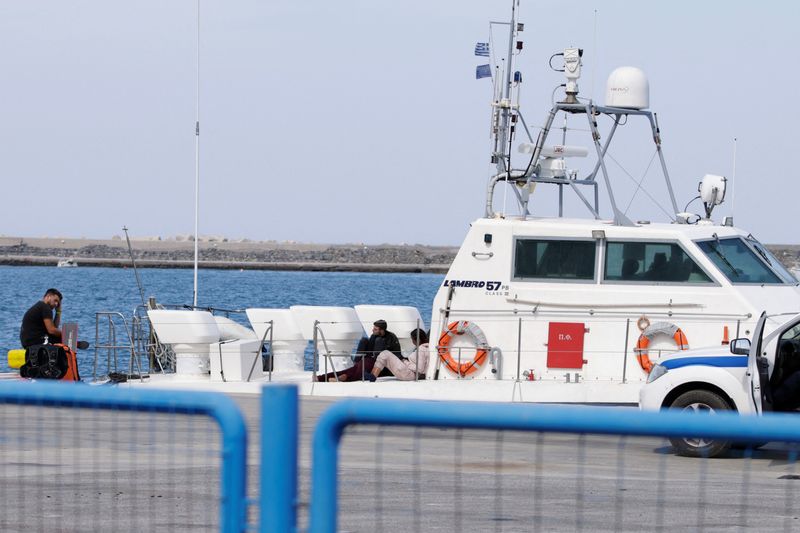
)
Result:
{"points": [[742, 263], [772, 261]]}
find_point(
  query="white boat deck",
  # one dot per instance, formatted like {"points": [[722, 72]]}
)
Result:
{"points": [[485, 390]]}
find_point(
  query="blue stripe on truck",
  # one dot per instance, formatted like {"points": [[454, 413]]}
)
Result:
{"points": [[725, 361]]}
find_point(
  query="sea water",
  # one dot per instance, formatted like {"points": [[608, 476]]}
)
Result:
{"points": [[88, 290]]}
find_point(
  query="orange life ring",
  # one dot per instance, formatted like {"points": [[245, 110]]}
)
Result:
{"points": [[644, 341], [482, 347]]}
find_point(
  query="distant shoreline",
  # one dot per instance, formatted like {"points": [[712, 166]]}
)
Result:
{"points": [[223, 254], [227, 265], [218, 253]]}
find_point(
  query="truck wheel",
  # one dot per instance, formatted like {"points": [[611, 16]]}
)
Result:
{"points": [[700, 401]]}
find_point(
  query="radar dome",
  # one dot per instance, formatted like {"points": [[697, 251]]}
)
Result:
{"points": [[628, 87]]}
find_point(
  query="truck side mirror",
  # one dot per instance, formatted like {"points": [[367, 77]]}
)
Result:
{"points": [[740, 346]]}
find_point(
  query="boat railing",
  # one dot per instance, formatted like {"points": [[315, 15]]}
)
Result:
{"points": [[160, 357], [268, 332], [517, 350], [464, 355], [110, 343], [328, 355], [213, 310], [672, 312]]}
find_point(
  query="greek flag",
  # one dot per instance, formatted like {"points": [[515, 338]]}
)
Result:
{"points": [[483, 71], [482, 49]]}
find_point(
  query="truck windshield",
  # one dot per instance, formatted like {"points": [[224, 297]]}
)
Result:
{"points": [[739, 262]]}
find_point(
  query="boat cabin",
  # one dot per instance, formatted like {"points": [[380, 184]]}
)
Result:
{"points": [[589, 303]]}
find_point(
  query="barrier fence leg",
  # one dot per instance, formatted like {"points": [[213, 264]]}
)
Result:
{"points": [[279, 442]]}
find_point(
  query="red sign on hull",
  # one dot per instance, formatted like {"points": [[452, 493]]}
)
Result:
{"points": [[565, 345]]}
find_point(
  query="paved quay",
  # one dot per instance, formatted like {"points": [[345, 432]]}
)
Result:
{"points": [[404, 479], [65, 470]]}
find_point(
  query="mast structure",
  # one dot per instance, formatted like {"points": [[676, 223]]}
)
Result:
{"points": [[542, 166], [503, 134]]}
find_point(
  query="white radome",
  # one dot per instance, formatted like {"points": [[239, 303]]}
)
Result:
{"points": [[628, 87]]}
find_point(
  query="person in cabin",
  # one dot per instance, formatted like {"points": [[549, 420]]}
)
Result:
{"points": [[368, 349], [658, 268], [405, 369], [629, 268], [785, 380], [39, 323]]}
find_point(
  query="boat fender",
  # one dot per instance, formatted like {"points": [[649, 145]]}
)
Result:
{"points": [[659, 328], [16, 358], [462, 327]]}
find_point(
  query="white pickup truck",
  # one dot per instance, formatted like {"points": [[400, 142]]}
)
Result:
{"points": [[741, 377]]}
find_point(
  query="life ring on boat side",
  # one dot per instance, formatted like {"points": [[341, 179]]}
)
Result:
{"points": [[462, 327], [643, 343]]}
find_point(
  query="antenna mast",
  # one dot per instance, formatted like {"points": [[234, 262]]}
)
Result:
{"points": [[196, 159], [733, 179], [504, 134]]}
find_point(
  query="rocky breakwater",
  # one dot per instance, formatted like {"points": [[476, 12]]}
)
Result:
{"points": [[227, 254], [243, 254]]}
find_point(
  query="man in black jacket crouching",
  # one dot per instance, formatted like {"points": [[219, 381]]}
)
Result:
{"points": [[366, 353]]}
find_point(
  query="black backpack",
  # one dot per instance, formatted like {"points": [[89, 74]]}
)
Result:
{"points": [[45, 361]]}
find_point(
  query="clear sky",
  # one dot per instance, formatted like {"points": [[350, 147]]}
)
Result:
{"points": [[362, 121]]}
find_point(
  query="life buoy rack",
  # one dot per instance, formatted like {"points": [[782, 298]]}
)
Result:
{"points": [[462, 327], [671, 330]]}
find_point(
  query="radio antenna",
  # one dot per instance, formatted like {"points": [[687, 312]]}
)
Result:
{"points": [[196, 159], [594, 47], [733, 180]]}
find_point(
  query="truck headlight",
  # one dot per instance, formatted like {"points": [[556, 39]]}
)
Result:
{"points": [[656, 372]]}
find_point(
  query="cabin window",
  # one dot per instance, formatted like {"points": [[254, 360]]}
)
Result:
{"points": [[738, 261], [552, 259], [652, 262]]}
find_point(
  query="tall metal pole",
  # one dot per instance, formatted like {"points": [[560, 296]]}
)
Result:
{"points": [[733, 180], [133, 263], [197, 159], [505, 92]]}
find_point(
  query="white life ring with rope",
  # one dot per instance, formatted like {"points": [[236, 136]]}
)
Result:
{"points": [[471, 329], [650, 331]]}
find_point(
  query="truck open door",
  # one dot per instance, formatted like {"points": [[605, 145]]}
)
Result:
{"points": [[755, 365], [762, 357]]}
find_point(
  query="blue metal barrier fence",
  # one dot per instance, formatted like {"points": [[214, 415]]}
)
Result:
{"points": [[519, 417], [218, 407]]}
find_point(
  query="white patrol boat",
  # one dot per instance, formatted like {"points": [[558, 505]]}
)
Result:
{"points": [[539, 309]]}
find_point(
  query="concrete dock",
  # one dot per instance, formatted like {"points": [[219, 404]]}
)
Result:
{"points": [[79, 470]]}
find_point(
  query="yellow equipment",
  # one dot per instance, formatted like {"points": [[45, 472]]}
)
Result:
{"points": [[16, 358]]}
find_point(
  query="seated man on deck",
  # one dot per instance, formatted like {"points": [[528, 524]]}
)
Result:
{"points": [[405, 369], [368, 349], [38, 323]]}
